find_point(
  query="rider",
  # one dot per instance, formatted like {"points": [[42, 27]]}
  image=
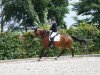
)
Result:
{"points": [[53, 31]]}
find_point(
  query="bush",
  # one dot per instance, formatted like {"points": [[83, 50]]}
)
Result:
{"points": [[89, 33], [13, 46]]}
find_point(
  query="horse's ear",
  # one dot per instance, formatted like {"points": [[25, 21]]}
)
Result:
{"points": [[35, 29]]}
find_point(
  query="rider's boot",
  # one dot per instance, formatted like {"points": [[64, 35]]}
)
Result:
{"points": [[51, 42]]}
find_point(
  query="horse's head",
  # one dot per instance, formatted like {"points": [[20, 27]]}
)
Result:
{"points": [[40, 32], [37, 32]]}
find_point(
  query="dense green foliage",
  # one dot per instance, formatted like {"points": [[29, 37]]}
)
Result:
{"points": [[88, 32], [23, 45], [14, 46]]}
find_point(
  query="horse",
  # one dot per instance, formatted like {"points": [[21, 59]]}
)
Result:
{"points": [[65, 41]]}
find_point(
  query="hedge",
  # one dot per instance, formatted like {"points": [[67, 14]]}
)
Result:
{"points": [[17, 45]]}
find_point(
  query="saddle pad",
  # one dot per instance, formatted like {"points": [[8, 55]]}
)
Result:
{"points": [[56, 36]]}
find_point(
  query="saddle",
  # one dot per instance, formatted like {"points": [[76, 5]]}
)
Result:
{"points": [[54, 37]]}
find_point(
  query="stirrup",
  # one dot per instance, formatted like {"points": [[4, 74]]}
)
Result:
{"points": [[51, 46]]}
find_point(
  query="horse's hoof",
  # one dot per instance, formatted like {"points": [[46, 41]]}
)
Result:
{"points": [[72, 57], [38, 60], [55, 58]]}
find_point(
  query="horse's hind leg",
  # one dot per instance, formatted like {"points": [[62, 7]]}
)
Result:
{"points": [[72, 50]]}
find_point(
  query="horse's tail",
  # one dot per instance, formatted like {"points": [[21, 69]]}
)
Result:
{"points": [[81, 41]]}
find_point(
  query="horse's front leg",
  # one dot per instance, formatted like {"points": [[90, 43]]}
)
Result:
{"points": [[41, 53]]}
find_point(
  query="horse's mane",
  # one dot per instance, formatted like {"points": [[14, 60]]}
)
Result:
{"points": [[44, 32]]}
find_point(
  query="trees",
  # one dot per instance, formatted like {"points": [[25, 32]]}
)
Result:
{"points": [[58, 9], [1, 18], [40, 6], [18, 10], [89, 7], [29, 11]]}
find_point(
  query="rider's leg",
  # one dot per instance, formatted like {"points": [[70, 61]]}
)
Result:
{"points": [[51, 42], [51, 39]]}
